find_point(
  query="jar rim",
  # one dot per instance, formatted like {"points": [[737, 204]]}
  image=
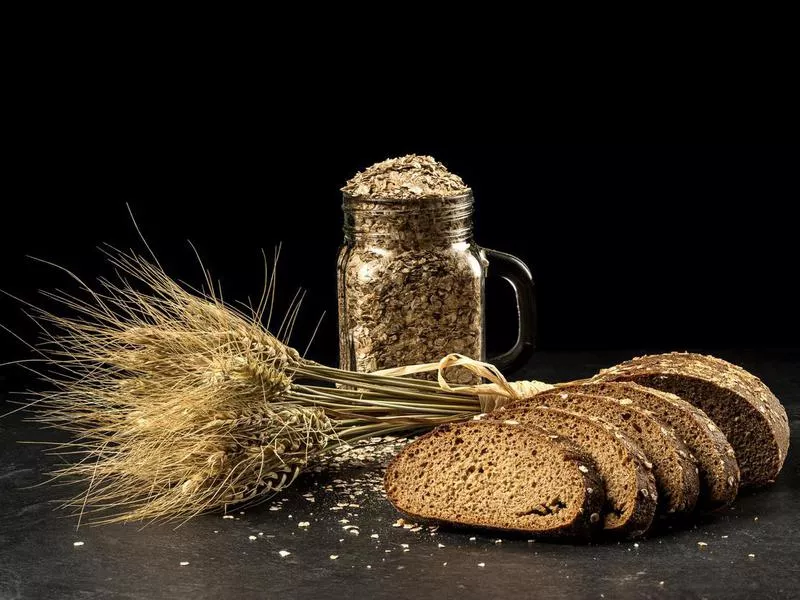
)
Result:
{"points": [[468, 195]]}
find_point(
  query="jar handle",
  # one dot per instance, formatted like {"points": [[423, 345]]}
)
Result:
{"points": [[517, 273]]}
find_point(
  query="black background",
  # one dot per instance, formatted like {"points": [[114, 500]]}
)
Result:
{"points": [[642, 247]]}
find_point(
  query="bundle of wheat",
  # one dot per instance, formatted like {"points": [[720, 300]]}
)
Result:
{"points": [[180, 404]]}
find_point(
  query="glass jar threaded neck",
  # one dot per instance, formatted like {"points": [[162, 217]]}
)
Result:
{"points": [[411, 222]]}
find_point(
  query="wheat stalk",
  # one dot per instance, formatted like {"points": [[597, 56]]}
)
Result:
{"points": [[179, 404]]}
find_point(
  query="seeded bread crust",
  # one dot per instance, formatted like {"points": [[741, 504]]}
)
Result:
{"points": [[750, 416], [719, 471], [675, 469], [404, 472], [645, 494]]}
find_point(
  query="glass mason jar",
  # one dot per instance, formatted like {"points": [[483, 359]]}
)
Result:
{"points": [[411, 286]]}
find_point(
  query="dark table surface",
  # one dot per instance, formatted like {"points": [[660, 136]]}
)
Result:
{"points": [[752, 551]]}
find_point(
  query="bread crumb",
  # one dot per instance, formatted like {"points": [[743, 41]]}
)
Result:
{"points": [[583, 469]]}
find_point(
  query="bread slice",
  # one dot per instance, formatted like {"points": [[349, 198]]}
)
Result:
{"points": [[500, 476], [631, 495], [750, 416], [719, 471], [674, 466]]}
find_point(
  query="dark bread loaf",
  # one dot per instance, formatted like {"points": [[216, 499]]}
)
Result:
{"points": [[750, 416], [631, 495], [719, 471], [500, 476], [673, 465]]}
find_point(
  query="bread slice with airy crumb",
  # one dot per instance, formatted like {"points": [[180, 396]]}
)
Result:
{"points": [[738, 402], [719, 471], [631, 495], [496, 475], [674, 467]]}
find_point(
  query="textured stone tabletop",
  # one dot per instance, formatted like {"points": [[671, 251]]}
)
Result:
{"points": [[333, 535]]}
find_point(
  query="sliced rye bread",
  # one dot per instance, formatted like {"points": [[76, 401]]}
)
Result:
{"points": [[719, 471], [630, 487], [750, 416], [500, 476], [673, 465]]}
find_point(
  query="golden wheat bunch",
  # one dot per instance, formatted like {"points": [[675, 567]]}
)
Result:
{"points": [[179, 404]]}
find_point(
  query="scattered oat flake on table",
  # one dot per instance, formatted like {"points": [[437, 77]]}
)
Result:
{"points": [[284, 553], [374, 536], [724, 537], [183, 563], [415, 529], [334, 556], [252, 538], [636, 545], [481, 565], [261, 533], [441, 545], [751, 555], [498, 541], [77, 543], [660, 583], [702, 544], [230, 516], [472, 539], [398, 523], [303, 524]]}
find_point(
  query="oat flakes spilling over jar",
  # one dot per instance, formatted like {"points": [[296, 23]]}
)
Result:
{"points": [[410, 276]]}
